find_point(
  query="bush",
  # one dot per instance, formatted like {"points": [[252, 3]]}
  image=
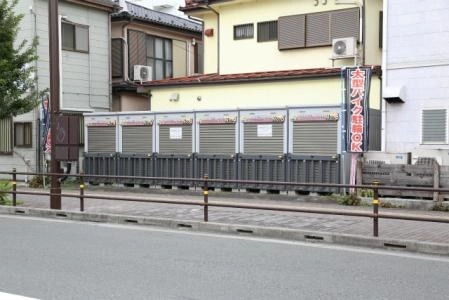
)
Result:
{"points": [[38, 181], [5, 186], [351, 199]]}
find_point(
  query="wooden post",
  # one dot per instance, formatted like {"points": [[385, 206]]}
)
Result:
{"points": [[436, 182]]}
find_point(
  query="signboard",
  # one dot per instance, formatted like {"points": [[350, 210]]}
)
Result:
{"points": [[264, 130], [357, 82], [175, 133]]}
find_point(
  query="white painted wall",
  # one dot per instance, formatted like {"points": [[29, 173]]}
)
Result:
{"points": [[417, 57]]}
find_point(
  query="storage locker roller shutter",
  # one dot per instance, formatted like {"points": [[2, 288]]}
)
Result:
{"points": [[254, 144], [101, 139], [315, 138], [137, 139], [217, 139], [172, 145]]}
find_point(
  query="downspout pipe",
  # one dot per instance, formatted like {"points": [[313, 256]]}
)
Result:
{"points": [[218, 35]]}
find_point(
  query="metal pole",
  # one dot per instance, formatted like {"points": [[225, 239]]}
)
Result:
{"points": [[81, 192], [53, 24], [14, 187], [206, 198], [376, 209]]}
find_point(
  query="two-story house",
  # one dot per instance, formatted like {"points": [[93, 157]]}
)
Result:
{"points": [[150, 45], [84, 73], [285, 53]]}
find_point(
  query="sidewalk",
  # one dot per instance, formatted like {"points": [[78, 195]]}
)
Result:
{"points": [[396, 231]]}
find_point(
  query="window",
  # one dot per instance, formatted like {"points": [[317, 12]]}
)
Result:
{"points": [[23, 134], [6, 136], [117, 57], [159, 57], [75, 37], [244, 31], [267, 31], [434, 126]]}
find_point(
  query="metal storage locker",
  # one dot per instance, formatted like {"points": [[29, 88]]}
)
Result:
{"points": [[315, 137], [217, 138], [101, 139], [137, 139], [175, 138], [263, 132]]}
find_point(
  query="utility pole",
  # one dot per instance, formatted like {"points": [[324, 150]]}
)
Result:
{"points": [[53, 29]]}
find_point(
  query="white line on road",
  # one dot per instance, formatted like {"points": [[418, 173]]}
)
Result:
{"points": [[6, 296], [385, 252]]}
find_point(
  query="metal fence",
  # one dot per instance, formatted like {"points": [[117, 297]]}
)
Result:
{"points": [[206, 203]]}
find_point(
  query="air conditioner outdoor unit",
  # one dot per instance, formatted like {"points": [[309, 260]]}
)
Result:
{"points": [[344, 47], [142, 73]]}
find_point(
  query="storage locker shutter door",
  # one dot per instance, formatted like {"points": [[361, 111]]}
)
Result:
{"points": [[101, 139], [254, 144], [315, 138], [137, 139], [217, 139], [181, 145]]}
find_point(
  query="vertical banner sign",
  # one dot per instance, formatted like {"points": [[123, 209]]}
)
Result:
{"points": [[46, 135], [357, 83]]}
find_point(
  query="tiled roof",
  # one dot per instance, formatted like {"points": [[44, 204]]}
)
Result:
{"points": [[149, 15], [198, 4], [250, 77]]}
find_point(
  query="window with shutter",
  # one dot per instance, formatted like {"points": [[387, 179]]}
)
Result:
{"points": [[434, 126], [291, 33], [6, 136]]}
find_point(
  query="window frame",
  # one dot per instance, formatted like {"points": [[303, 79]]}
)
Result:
{"points": [[11, 138], [122, 61], [445, 142], [270, 38], [155, 59], [74, 26], [247, 28], [27, 141]]}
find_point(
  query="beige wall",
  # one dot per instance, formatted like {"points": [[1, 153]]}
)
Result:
{"points": [[131, 102], [313, 92], [242, 56]]}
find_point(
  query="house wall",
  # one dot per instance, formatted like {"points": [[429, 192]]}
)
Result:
{"points": [[312, 92], [418, 59], [248, 55]]}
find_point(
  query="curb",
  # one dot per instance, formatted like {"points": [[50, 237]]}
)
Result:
{"points": [[246, 230]]}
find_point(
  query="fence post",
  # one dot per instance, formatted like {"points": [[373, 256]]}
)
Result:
{"points": [[206, 198], [359, 176], [14, 187], [81, 191], [376, 209], [436, 182]]}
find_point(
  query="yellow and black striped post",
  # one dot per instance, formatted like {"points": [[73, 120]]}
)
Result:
{"points": [[81, 192], [376, 209], [14, 187], [206, 198]]}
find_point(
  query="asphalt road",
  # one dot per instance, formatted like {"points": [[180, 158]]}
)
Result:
{"points": [[53, 259]]}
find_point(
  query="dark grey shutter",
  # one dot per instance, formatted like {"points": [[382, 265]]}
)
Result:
{"points": [[175, 146], [252, 144], [217, 139], [6, 135], [434, 126], [345, 23], [200, 58], [291, 32], [117, 57], [317, 29], [101, 139], [137, 139], [316, 138], [137, 49]]}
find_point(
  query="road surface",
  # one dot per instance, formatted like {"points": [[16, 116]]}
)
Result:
{"points": [[56, 259]]}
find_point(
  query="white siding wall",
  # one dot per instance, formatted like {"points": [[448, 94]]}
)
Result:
{"points": [[418, 59]]}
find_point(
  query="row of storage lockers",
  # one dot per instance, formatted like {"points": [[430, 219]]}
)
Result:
{"points": [[300, 131], [178, 170]]}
